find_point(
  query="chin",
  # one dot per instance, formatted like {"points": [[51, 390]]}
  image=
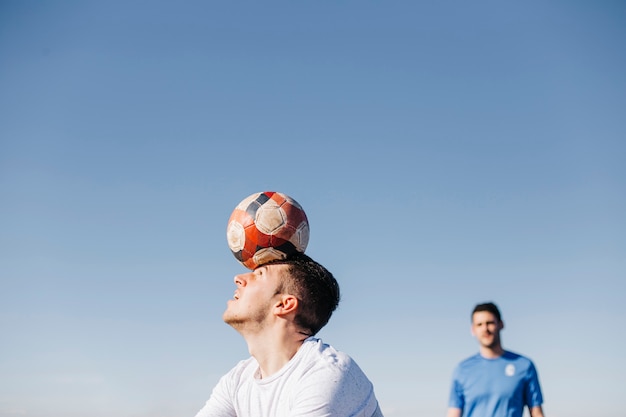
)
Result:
{"points": [[227, 317]]}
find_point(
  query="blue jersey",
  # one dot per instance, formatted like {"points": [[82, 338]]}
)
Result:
{"points": [[498, 387]]}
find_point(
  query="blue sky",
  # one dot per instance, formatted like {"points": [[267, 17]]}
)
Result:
{"points": [[446, 154]]}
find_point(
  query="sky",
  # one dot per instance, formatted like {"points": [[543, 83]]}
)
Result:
{"points": [[446, 154]]}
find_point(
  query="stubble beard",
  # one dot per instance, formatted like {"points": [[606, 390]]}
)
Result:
{"points": [[254, 321], [494, 343]]}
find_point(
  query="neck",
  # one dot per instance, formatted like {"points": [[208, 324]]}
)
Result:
{"points": [[273, 351], [491, 352]]}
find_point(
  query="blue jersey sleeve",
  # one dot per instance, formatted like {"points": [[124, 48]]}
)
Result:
{"points": [[532, 392]]}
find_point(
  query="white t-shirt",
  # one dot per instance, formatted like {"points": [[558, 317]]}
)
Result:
{"points": [[318, 381]]}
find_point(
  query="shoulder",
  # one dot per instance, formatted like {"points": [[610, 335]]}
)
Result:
{"points": [[322, 354], [516, 357], [470, 362], [332, 379], [520, 362], [323, 359]]}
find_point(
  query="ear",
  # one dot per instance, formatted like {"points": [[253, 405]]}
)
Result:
{"points": [[501, 326], [286, 304]]}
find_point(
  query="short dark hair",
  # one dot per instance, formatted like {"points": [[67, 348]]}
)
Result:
{"points": [[490, 307], [315, 287]]}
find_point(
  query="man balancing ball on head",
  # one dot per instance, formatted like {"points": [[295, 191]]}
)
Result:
{"points": [[494, 382], [278, 307]]}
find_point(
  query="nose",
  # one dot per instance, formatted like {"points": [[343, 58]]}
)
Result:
{"points": [[240, 280]]}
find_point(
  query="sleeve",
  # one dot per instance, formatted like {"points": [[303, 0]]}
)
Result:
{"points": [[220, 403], [324, 394], [532, 391], [456, 399]]}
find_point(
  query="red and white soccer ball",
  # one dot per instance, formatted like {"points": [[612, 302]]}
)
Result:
{"points": [[267, 226]]}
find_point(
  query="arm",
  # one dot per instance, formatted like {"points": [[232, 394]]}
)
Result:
{"points": [[536, 411], [216, 406], [456, 412], [533, 393], [456, 399], [220, 402]]}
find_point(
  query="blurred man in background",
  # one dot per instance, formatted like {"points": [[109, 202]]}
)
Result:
{"points": [[493, 382]]}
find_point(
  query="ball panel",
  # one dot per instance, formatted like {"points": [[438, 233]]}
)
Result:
{"points": [[294, 213], [279, 198], [256, 239], [236, 236], [241, 217], [270, 217], [265, 255], [300, 238], [255, 203], [243, 204]]}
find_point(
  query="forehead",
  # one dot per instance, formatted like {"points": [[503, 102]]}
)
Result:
{"points": [[483, 317], [276, 270]]}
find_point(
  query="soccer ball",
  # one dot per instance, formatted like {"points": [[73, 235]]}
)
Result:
{"points": [[267, 226]]}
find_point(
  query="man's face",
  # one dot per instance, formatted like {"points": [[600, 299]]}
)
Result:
{"points": [[486, 328], [254, 298]]}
